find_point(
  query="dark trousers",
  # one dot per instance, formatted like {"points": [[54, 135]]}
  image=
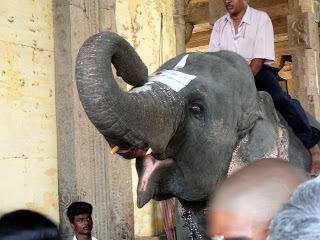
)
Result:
{"points": [[290, 109]]}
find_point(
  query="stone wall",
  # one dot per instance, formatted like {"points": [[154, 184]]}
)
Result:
{"points": [[28, 150]]}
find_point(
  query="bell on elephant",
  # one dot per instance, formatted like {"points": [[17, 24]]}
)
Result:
{"points": [[245, 203]]}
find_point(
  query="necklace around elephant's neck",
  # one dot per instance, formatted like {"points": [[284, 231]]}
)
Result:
{"points": [[193, 230]]}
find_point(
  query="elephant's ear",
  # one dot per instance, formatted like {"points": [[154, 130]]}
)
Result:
{"points": [[266, 137]]}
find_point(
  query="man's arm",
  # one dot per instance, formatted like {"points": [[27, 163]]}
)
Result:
{"points": [[263, 49], [256, 65]]}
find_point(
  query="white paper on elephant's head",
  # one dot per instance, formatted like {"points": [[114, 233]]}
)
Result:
{"points": [[143, 88], [174, 79], [181, 63]]}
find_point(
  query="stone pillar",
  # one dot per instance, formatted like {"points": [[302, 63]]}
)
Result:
{"points": [[304, 45], [180, 28], [86, 170]]}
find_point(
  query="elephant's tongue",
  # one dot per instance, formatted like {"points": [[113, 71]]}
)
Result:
{"points": [[149, 165]]}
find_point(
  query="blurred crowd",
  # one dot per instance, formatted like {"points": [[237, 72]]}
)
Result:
{"points": [[269, 199]]}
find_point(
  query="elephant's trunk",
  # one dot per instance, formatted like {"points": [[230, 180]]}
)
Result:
{"points": [[105, 103]]}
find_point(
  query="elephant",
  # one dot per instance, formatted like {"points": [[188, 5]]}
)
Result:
{"points": [[200, 113]]}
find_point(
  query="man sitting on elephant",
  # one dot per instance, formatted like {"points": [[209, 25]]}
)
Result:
{"points": [[249, 33]]}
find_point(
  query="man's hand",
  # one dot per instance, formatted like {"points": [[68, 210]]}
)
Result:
{"points": [[315, 160], [256, 65]]}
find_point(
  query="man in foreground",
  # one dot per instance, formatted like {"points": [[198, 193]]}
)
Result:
{"points": [[249, 33], [79, 215], [245, 203]]}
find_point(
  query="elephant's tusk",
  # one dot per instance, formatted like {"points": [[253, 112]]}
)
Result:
{"points": [[114, 150], [149, 151]]}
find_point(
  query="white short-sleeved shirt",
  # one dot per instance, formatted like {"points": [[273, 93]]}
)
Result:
{"points": [[92, 238], [253, 40]]}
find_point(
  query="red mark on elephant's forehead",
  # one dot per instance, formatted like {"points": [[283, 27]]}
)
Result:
{"points": [[158, 73]]}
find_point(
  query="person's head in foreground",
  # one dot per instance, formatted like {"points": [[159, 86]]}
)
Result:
{"points": [[79, 215], [27, 225], [245, 203], [299, 218]]}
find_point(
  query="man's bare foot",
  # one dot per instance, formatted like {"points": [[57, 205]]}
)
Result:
{"points": [[315, 160]]}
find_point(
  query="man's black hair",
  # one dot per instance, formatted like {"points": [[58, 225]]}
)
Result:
{"points": [[78, 208], [27, 225]]}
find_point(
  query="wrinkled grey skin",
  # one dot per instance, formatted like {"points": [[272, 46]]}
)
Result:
{"points": [[194, 133]]}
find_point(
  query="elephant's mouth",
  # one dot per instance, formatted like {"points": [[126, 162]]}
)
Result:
{"points": [[147, 165], [149, 184], [133, 152]]}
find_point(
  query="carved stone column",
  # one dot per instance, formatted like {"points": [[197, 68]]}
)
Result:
{"points": [[304, 45], [180, 28], [87, 171]]}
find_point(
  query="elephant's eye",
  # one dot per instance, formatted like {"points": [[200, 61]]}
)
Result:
{"points": [[197, 109]]}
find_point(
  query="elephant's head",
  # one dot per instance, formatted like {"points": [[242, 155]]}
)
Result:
{"points": [[196, 112]]}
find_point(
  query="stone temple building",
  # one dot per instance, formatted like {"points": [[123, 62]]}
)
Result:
{"points": [[51, 155]]}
